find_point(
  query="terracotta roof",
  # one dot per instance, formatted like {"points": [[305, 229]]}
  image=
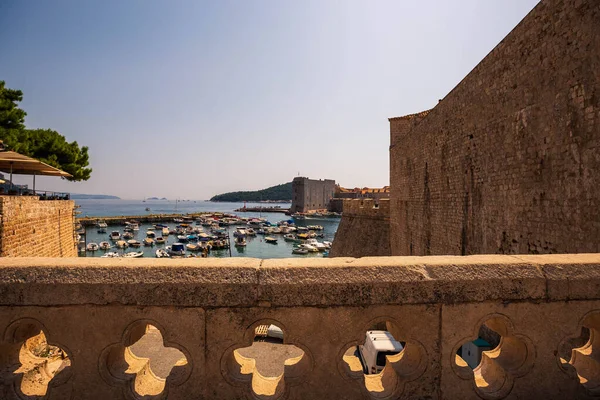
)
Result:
{"points": [[384, 189], [411, 116]]}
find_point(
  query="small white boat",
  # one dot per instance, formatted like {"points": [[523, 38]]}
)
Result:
{"points": [[250, 232], [121, 244], [105, 246], [148, 242], [161, 240], [134, 254], [240, 241], [327, 244], [314, 243], [114, 235], [289, 237], [165, 231], [92, 246], [134, 243], [270, 239], [162, 253], [298, 250], [150, 234], [308, 247], [111, 254], [128, 235]]}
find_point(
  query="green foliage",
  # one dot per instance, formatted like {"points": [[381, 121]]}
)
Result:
{"points": [[281, 192], [45, 145]]}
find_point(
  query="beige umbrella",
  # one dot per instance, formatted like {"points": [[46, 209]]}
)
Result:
{"points": [[15, 163]]}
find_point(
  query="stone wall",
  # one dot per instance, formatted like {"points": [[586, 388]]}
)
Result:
{"points": [[311, 194], [33, 228], [94, 309], [364, 229], [508, 162]]}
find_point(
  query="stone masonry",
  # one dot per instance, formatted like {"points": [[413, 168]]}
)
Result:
{"points": [[509, 161], [311, 194], [33, 228], [364, 229]]}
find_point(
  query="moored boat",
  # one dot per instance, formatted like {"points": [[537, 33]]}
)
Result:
{"points": [[148, 241], [162, 253], [298, 250], [92, 246], [114, 235], [161, 240], [121, 244], [270, 239], [134, 243], [104, 246], [134, 254], [111, 254], [177, 249], [193, 247]]}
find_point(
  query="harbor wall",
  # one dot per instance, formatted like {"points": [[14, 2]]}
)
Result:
{"points": [[364, 229], [96, 309], [508, 162], [33, 228]]}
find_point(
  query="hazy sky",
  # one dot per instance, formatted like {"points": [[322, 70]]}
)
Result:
{"points": [[191, 98]]}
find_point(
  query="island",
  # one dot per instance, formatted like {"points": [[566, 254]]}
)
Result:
{"points": [[282, 193]]}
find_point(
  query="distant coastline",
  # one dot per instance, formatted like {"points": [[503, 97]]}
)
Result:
{"points": [[77, 196]]}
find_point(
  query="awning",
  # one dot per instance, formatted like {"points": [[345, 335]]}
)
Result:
{"points": [[16, 163]]}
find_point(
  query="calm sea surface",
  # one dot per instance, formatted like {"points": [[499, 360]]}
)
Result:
{"points": [[256, 247]]}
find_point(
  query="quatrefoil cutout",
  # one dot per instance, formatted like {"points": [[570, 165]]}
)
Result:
{"points": [[580, 356], [385, 373], [494, 375], [33, 365], [268, 363], [143, 364]]}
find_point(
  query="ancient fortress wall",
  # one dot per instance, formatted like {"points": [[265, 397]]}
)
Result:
{"points": [[207, 309], [311, 194], [508, 162], [364, 229], [30, 227]]}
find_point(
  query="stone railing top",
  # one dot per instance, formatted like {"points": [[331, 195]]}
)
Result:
{"points": [[248, 282]]}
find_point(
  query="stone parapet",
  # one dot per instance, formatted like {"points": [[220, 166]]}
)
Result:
{"points": [[369, 208], [94, 309]]}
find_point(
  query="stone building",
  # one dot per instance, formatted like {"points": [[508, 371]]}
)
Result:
{"points": [[508, 162], [311, 194]]}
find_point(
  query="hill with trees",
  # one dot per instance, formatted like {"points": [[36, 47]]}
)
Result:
{"points": [[45, 145], [281, 192]]}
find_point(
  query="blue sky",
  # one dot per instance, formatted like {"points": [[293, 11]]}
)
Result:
{"points": [[192, 98]]}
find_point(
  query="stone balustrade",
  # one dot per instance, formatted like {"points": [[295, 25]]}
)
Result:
{"points": [[545, 311]]}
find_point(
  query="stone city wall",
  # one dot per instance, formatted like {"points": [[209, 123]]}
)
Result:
{"points": [[33, 228], [95, 309], [364, 229], [508, 161], [311, 194]]}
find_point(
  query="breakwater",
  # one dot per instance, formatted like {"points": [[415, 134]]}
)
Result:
{"points": [[263, 209]]}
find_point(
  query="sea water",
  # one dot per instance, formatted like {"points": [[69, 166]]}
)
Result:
{"points": [[256, 247]]}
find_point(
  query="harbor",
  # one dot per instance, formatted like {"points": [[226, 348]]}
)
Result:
{"points": [[198, 232]]}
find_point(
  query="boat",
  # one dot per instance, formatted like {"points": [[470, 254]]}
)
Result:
{"points": [[92, 246], [148, 241], [134, 254], [101, 226], [182, 238], [104, 246], [298, 250], [314, 243], [302, 236], [250, 232], [289, 237], [240, 241], [326, 253], [135, 227], [134, 243], [121, 244], [270, 239], [162, 253], [147, 208], [327, 244], [150, 234], [128, 235], [161, 240], [308, 247], [193, 247], [239, 232], [111, 254], [165, 231], [178, 220], [114, 235], [177, 249]]}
